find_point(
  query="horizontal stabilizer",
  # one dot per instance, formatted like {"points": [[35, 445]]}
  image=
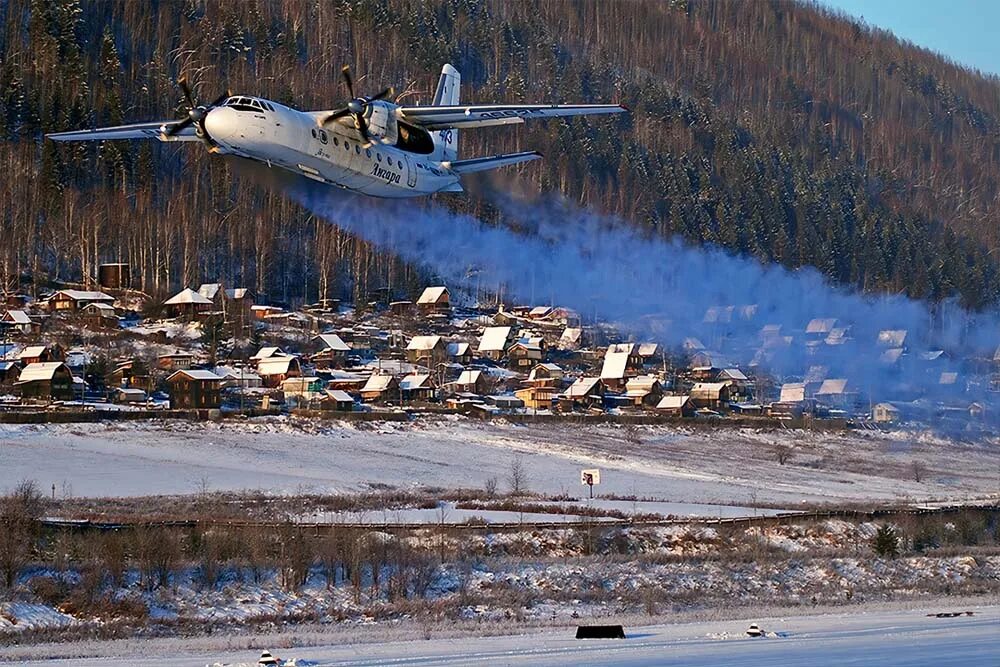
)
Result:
{"points": [[484, 163]]}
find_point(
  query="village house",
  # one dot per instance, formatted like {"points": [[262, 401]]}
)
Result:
{"points": [[36, 354], [792, 401], [214, 293], [302, 390], [71, 300], [402, 308], [18, 321], [276, 369], [546, 373], [885, 413], [713, 395], [644, 391], [585, 391], [416, 387], [268, 352], [9, 372], [614, 372], [571, 339], [188, 304], [380, 388], [331, 351], [260, 312], [239, 301], [50, 381], [524, 354], [892, 338], [460, 353], [427, 350], [100, 316], [739, 384], [536, 397], [192, 389], [434, 300], [128, 396], [835, 393], [131, 374], [469, 382], [336, 400], [675, 406], [494, 342]]}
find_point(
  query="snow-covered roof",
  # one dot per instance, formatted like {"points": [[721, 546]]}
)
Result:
{"points": [[691, 344], [708, 390], [237, 293], [816, 373], [672, 402], [339, 395], [648, 349], [101, 307], [733, 374], [275, 365], [582, 387], [891, 355], [570, 337], [627, 348], [458, 349], [821, 325], [423, 342], [432, 294], [539, 311], [643, 383], [17, 317], [378, 383], [469, 377], [268, 352], [838, 335], [832, 386], [209, 290], [892, 337], [81, 295], [195, 374], [332, 341], [31, 352], [718, 314], [230, 373], [187, 296], [39, 371], [494, 339], [948, 377], [792, 392], [614, 365], [415, 381]]}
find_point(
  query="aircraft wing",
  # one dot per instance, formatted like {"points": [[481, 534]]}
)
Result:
{"points": [[135, 131], [462, 116]]}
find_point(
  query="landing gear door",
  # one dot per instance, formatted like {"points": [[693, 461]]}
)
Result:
{"points": [[411, 173]]}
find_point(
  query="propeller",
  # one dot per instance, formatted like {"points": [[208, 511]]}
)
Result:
{"points": [[196, 113], [357, 106]]}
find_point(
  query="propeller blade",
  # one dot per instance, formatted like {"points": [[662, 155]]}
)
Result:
{"points": [[183, 83], [177, 127], [339, 113], [362, 126], [348, 79], [388, 92]]}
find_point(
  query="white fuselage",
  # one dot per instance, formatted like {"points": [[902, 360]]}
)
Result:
{"points": [[336, 155]]}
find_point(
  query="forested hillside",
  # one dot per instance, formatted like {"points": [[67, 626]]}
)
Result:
{"points": [[775, 129]]}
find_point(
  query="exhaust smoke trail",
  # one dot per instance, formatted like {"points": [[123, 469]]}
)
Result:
{"points": [[653, 288]]}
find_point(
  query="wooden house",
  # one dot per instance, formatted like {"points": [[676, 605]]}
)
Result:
{"points": [[585, 391], [460, 353], [494, 342], [330, 351], [195, 389], [336, 400], [469, 382], [524, 354], [416, 387], [71, 300], [176, 361], [36, 354], [537, 398], [241, 378], [188, 303], [51, 380], [434, 300], [675, 406], [380, 388], [100, 316], [275, 370], [427, 350], [711, 395], [644, 391], [614, 372], [9, 372], [18, 321]]}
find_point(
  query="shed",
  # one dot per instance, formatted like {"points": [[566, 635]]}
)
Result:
{"points": [[380, 387], [188, 303], [417, 387], [885, 413], [644, 390], [470, 381], [337, 400]]}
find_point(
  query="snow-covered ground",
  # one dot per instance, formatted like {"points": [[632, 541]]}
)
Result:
{"points": [[886, 638], [666, 463]]}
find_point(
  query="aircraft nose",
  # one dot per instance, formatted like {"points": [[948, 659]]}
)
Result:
{"points": [[219, 123]]}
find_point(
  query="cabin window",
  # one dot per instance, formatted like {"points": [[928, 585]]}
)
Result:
{"points": [[347, 146], [322, 136], [368, 153], [379, 156], [314, 133], [400, 163], [357, 149], [336, 141]]}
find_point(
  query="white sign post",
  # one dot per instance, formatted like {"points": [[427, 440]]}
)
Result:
{"points": [[590, 478]]}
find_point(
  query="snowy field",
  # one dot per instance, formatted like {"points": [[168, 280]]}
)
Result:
{"points": [[666, 463], [886, 638]]}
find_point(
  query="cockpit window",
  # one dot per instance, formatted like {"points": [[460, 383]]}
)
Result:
{"points": [[244, 104]]}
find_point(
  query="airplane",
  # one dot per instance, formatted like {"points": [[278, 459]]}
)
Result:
{"points": [[370, 145]]}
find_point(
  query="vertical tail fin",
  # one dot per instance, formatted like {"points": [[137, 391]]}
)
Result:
{"points": [[447, 94]]}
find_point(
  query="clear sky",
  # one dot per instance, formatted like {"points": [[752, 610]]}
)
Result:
{"points": [[967, 31]]}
